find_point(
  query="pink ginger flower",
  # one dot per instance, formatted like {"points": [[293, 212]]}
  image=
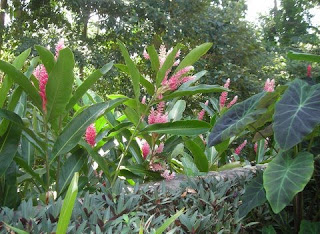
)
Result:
{"points": [[162, 54], [234, 100], [41, 74], [174, 82], [59, 47], [145, 54], [309, 70], [160, 148], [187, 78], [157, 116], [166, 174], [91, 135], [240, 147], [202, 112], [224, 95], [156, 167], [269, 85], [145, 149]]}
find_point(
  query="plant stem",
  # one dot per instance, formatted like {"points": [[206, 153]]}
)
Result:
{"points": [[58, 166], [130, 140], [46, 151], [298, 211], [311, 140]]}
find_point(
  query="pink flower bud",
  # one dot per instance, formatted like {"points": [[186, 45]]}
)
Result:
{"points": [[145, 54], [145, 149], [91, 135], [269, 85], [234, 100], [166, 174], [160, 148], [59, 47], [143, 101], [41, 74], [240, 147], [309, 70]]}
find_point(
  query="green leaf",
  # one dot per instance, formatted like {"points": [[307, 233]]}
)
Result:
{"points": [[47, 58], [67, 206], [296, 114], [166, 65], [180, 128], [200, 158], [260, 150], [303, 56], [17, 230], [19, 78], [149, 87], [154, 58], [177, 110], [254, 196], [285, 177], [192, 81], [7, 83], [9, 195], [169, 221], [28, 169], [194, 90], [194, 55], [235, 120], [307, 227], [9, 143], [73, 164], [75, 129], [59, 86], [268, 230], [83, 88], [133, 70], [101, 161]]}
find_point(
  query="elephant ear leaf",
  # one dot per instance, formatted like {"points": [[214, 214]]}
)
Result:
{"points": [[296, 114], [236, 119]]}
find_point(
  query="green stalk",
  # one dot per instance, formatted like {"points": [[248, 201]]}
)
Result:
{"points": [[46, 151], [58, 167], [297, 203], [130, 140]]}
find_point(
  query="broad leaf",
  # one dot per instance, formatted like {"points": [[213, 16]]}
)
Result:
{"points": [[9, 143], [296, 114], [9, 196], [75, 129], [47, 57], [169, 221], [194, 55], [73, 164], [177, 110], [199, 157], [307, 227], [235, 120], [285, 177], [133, 70], [180, 128], [83, 88], [154, 58], [194, 90], [8, 81], [19, 78], [254, 196], [304, 56], [59, 86], [67, 206]]}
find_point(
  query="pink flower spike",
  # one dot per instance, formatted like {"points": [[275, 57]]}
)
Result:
{"points": [[187, 78], [207, 103], [223, 99], [255, 147], [145, 54], [145, 149], [152, 116], [159, 150], [309, 70], [59, 46], [91, 135], [178, 53], [41, 74], [226, 85], [240, 147], [176, 63], [269, 85], [234, 100], [166, 174], [156, 167], [201, 114], [143, 101]]}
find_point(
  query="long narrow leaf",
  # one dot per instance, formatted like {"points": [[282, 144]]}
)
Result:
{"points": [[68, 204], [169, 221], [47, 58]]}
